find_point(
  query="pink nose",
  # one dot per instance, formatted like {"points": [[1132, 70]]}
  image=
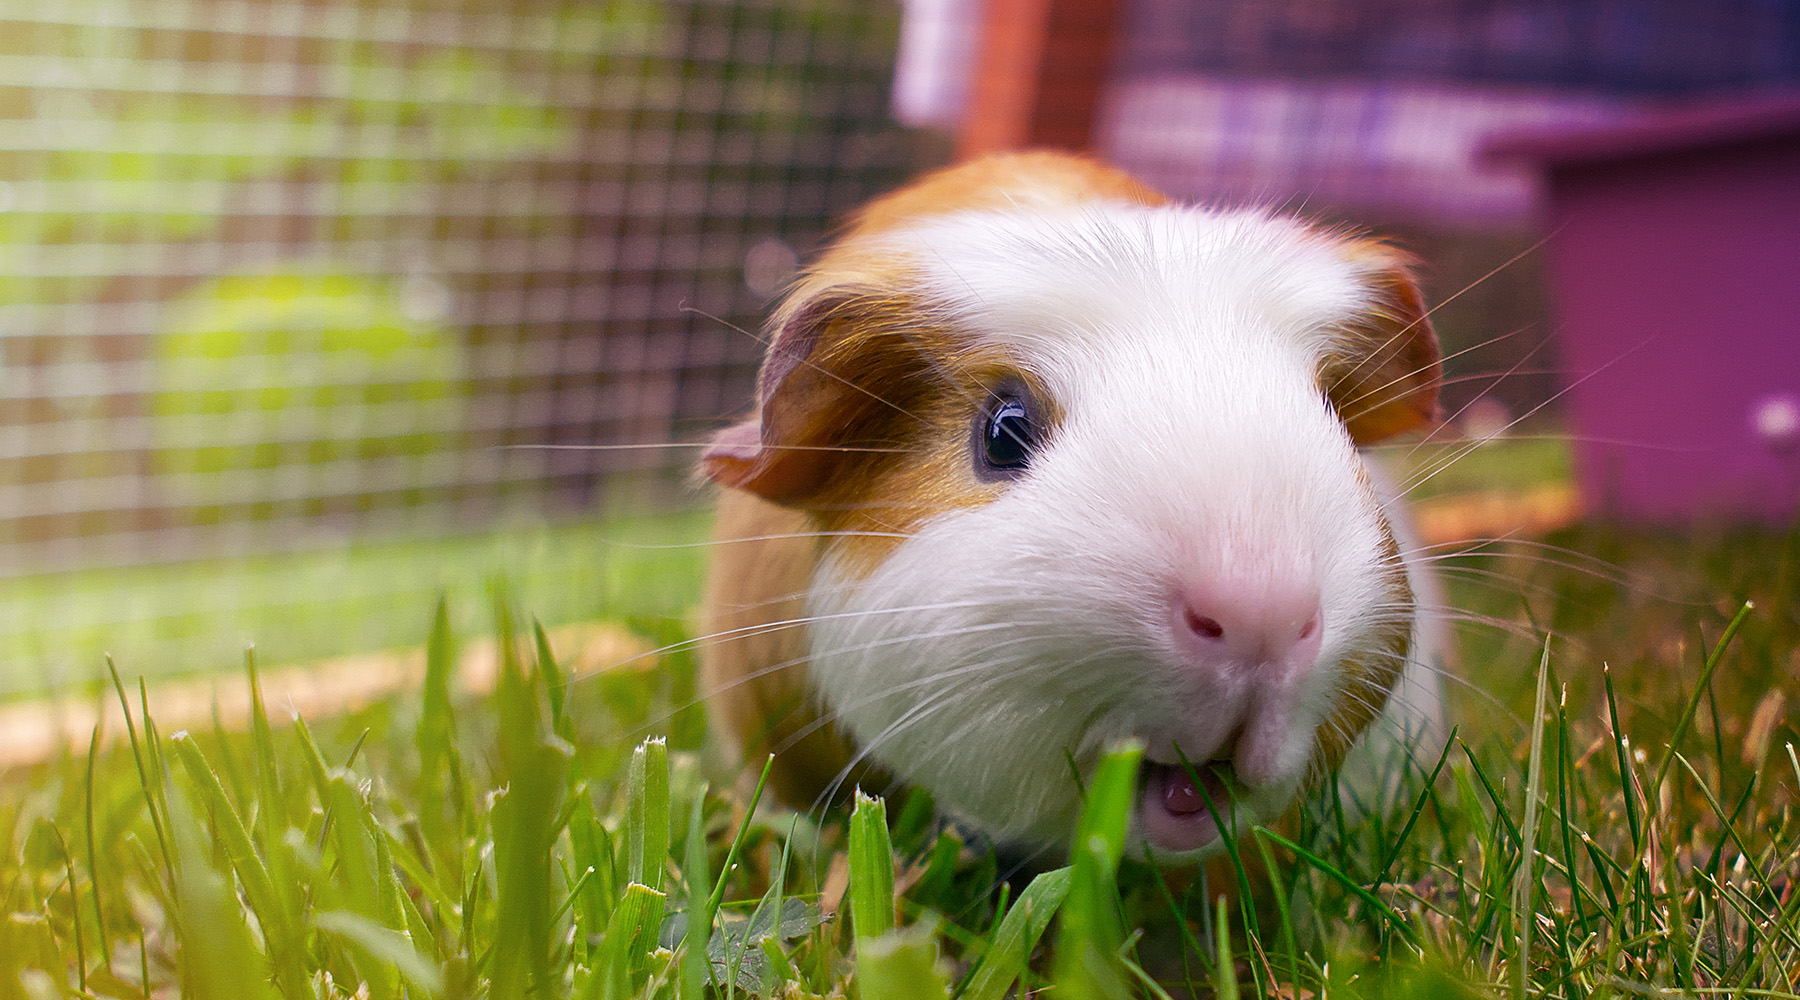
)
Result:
{"points": [[1248, 623]]}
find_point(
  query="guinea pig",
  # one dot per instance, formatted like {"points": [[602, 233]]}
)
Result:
{"points": [[1040, 462]]}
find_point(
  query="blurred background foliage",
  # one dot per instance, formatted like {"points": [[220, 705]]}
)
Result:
{"points": [[348, 280]]}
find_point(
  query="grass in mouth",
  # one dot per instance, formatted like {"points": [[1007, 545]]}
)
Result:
{"points": [[1589, 832]]}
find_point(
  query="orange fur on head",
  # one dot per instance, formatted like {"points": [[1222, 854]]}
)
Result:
{"points": [[1386, 380], [1037, 179]]}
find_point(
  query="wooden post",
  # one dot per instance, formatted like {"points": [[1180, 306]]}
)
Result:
{"points": [[1041, 69]]}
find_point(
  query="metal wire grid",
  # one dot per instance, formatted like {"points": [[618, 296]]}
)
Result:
{"points": [[274, 270], [1668, 48]]}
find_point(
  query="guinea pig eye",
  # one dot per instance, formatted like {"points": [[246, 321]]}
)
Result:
{"points": [[1006, 435]]}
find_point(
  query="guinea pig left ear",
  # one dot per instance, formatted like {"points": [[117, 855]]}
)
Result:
{"points": [[1383, 377], [832, 364]]}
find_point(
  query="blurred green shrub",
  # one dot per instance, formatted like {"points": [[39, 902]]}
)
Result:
{"points": [[258, 376]]}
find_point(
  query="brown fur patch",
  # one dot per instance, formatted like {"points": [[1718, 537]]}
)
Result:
{"points": [[1029, 180], [1371, 676], [875, 500], [866, 423], [1385, 381], [753, 662]]}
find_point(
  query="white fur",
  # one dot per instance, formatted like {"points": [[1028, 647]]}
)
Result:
{"points": [[1180, 346]]}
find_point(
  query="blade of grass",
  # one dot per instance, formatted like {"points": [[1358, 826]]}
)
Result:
{"points": [[218, 957], [93, 860], [1525, 879], [900, 965], [271, 823], [555, 685], [1326, 868], [591, 848], [533, 767], [1692, 705], [280, 927], [647, 833], [737, 841], [1727, 821], [137, 756], [1500, 814], [1625, 772], [383, 948], [388, 889], [1227, 831], [1289, 945], [264, 742], [629, 938], [1019, 932], [871, 869], [1577, 890], [81, 965], [411, 860], [1227, 985], [1092, 931], [1191, 945], [647, 815], [696, 963], [1393, 851], [435, 736]]}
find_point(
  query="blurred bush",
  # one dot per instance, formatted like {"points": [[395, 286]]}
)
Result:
{"points": [[266, 381]]}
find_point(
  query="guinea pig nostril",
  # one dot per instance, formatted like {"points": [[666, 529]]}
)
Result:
{"points": [[1201, 625], [1312, 624]]}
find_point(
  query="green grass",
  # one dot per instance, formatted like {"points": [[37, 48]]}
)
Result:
{"points": [[562, 839], [1458, 467], [160, 620]]}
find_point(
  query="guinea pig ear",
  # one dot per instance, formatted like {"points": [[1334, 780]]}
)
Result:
{"points": [[1383, 377], [836, 359]]}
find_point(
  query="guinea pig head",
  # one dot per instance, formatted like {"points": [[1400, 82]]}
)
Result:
{"points": [[1090, 474]]}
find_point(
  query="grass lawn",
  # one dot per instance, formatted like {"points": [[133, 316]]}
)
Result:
{"points": [[162, 620], [1439, 469], [1590, 833]]}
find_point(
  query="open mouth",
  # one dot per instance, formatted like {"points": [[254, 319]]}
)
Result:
{"points": [[1172, 808]]}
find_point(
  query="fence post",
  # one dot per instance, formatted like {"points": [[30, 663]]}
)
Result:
{"points": [[1041, 69]]}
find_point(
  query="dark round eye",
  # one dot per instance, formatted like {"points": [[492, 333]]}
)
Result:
{"points": [[1008, 434]]}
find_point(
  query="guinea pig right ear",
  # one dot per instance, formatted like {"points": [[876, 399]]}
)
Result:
{"points": [[836, 362], [1384, 378]]}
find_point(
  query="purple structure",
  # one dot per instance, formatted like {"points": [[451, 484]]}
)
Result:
{"points": [[1675, 271]]}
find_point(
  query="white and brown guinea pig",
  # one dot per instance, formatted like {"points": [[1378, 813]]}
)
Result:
{"points": [[1042, 462]]}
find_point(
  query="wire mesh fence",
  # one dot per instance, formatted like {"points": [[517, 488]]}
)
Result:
{"points": [[276, 270]]}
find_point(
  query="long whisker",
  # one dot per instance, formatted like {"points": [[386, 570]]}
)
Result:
{"points": [[1427, 314], [1462, 453], [765, 341], [1509, 373], [1404, 376], [737, 539], [764, 628], [666, 445]]}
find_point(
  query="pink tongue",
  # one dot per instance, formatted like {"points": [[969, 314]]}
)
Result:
{"points": [[1179, 796]]}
